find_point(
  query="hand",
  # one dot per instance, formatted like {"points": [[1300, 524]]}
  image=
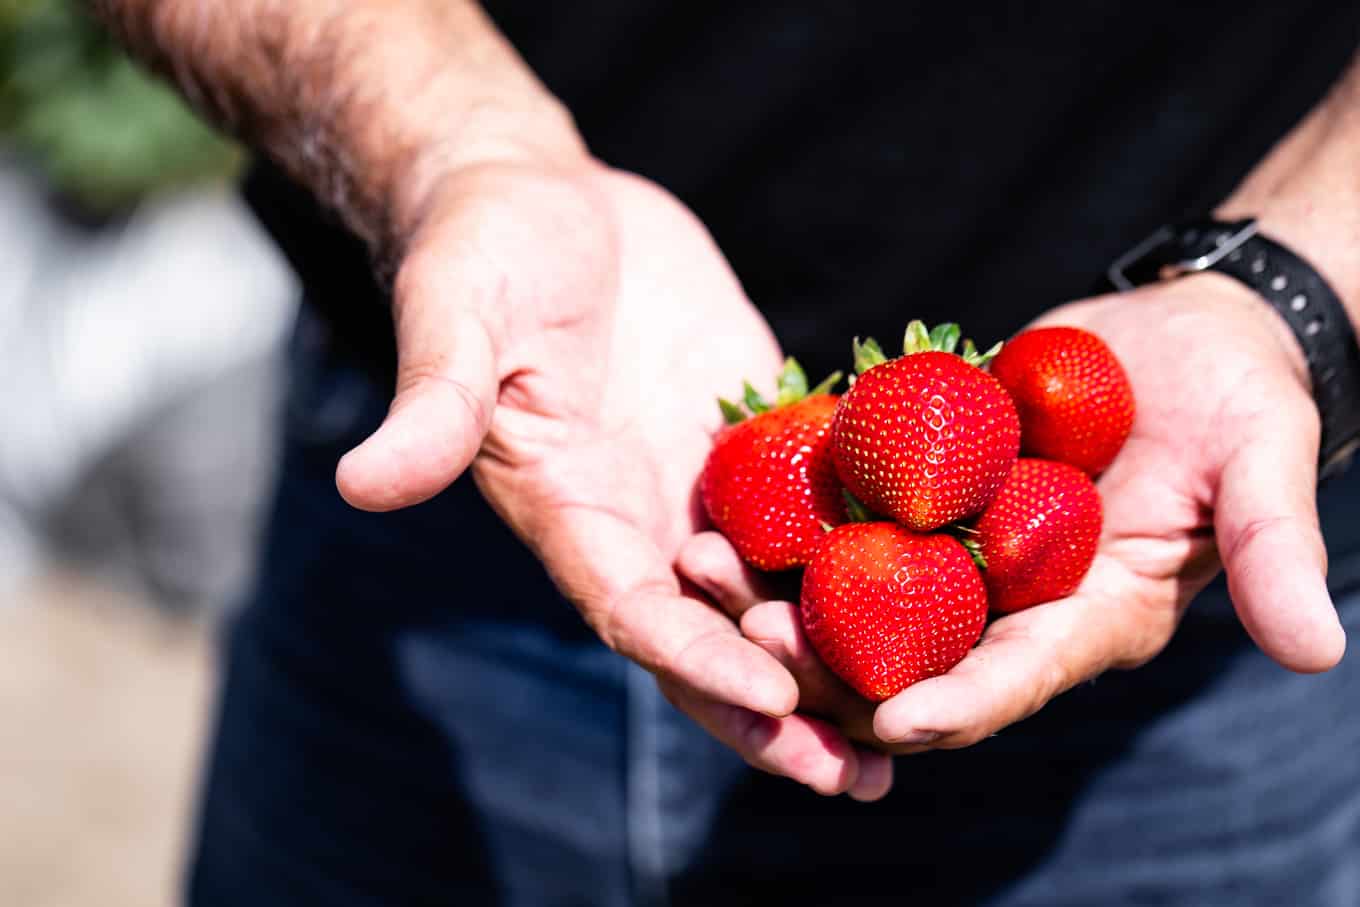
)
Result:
{"points": [[843, 742], [566, 334], [1220, 470]]}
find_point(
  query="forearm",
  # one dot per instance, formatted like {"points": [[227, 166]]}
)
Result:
{"points": [[1306, 192], [367, 102]]}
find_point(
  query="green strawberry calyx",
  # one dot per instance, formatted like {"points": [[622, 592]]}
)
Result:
{"points": [[967, 537], [792, 387], [943, 338], [855, 509]]}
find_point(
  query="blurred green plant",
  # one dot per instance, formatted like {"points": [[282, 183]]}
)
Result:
{"points": [[104, 132]]}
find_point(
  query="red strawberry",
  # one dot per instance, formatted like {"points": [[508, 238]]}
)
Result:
{"points": [[1075, 401], [928, 438], [1038, 537], [769, 485], [885, 607]]}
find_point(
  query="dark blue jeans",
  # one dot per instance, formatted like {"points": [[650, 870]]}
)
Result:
{"points": [[411, 715]]}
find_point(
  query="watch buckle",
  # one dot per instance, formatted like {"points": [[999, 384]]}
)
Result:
{"points": [[1224, 246]]}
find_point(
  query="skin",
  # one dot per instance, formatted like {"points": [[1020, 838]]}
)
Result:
{"points": [[1198, 485], [554, 317], [1223, 478], [554, 327]]}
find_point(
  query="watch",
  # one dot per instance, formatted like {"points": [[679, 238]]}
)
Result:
{"points": [[1289, 285]]}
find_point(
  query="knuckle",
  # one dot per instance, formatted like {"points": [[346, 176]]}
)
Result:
{"points": [[1057, 678], [605, 620], [694, 658], [703, 565], [627, 624], [1141, 649], [752, 734], [1252, 531], [430, 377], [819, 772], [472, 404]]}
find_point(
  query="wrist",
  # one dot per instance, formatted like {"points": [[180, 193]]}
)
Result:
{"points": [[1237, 300], [1297, 296], [529, 131], [1326, 235], [1306, 196], [444, 101]]}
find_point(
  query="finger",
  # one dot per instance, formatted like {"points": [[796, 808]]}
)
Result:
{"points": [[875, 778], [632, 599], [803, 749], [446, 387], [1266, 525], [1026, 659], [1000, 682], [710, 562], [777, 628]]}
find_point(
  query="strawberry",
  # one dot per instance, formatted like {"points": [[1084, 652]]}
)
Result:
{"points": [[926, 439], [1075, 401], [1038, 537], [885, 607], [769, 485]]}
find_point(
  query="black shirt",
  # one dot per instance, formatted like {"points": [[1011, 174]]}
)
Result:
{"points": [[863, 164], [860, 164]]}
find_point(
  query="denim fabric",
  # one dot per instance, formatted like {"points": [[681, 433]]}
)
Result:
{"points": [[411, 715]]}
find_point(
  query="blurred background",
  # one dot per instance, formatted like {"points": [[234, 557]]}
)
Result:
{"points": [[142, 315]]}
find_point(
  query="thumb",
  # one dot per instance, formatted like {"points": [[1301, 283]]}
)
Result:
{"points": [[446, 386], [1266, 523]]}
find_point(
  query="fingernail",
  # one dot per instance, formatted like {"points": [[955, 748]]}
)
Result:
{"points": [[867, 798], [917, 738]]}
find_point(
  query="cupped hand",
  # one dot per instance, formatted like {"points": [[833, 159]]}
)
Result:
{"points": [[841, 722], [1218, 473], [565, 334]]}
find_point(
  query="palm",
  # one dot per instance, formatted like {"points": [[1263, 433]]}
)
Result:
{"points": [[1157, 547], [565, 335], [597, 470], [1221, 456], [1222, 453], [1196, 409]]}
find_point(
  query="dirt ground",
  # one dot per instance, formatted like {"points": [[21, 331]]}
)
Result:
{"points": [[103, 707]]}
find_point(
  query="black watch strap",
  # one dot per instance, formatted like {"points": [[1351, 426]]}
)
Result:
{"points": [[1292, 287]]}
